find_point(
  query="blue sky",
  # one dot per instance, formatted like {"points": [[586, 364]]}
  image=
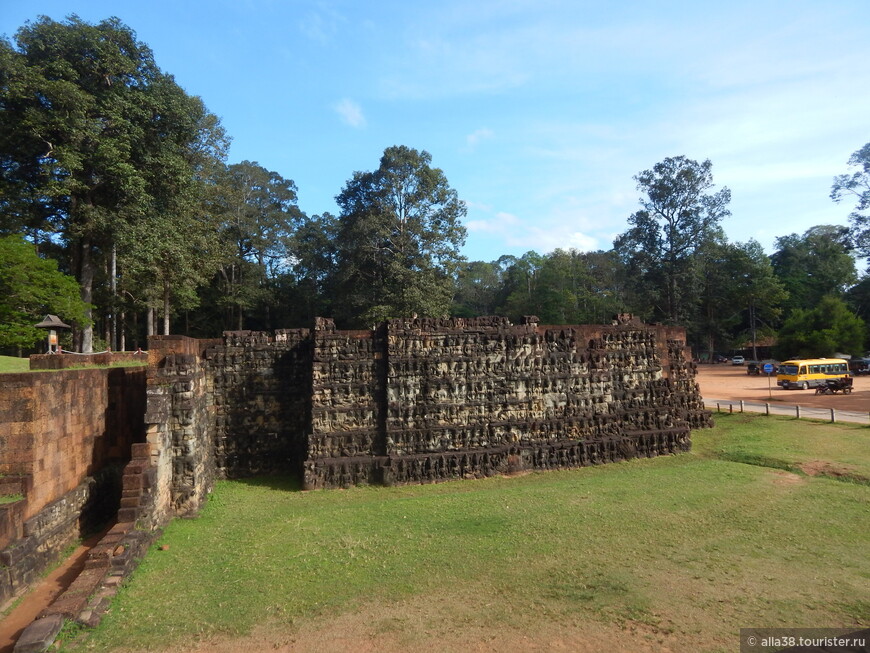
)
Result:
{"points": [[539, 112]]}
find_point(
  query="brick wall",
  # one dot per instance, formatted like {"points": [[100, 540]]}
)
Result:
{"points": [[61, 436], [60, 427]]}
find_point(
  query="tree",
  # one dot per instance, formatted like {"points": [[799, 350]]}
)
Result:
{"points": [[857, 184], [306, 291], [858, 300], [259, 217], [814, 265], [93, 138], [521, 284], [30, 287], [679, 214], [739, 294], [477, 287], [821, 332], [398, 240]]}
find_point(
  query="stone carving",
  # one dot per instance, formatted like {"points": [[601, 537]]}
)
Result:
{"points": [[427, 399]]}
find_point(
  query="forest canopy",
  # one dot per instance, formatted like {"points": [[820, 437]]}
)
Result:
{"points": [[120, 212]]}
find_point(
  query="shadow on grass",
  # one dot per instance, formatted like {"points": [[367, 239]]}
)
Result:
{"points": [[775, 463], [286, 483]]}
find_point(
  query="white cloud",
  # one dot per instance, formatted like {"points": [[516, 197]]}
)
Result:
{"points": [[350, 113], [546, 240], [517, 234], [477, 206], [500, 223], [322, 24], [474, 138]]}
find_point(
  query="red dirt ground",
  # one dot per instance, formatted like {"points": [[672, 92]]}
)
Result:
{"points": [[732, 382], [41, 596]]}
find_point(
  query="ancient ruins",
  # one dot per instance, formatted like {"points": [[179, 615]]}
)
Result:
{"points": [[410, 401], [416, 400]]}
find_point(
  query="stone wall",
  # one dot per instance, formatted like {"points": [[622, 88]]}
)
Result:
{"points": [[64, 437], [415, 401], [180, 426], [432, 399], [260, 388]]}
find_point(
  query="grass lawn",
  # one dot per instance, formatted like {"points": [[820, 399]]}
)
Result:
{"points": [[677, 552], [14, 364]]}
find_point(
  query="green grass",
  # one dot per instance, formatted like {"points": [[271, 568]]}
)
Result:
{"points": [[690, 547], [14, 364], [786, 443]]}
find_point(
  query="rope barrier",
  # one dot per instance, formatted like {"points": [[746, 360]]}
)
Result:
{"points": [[105, 351]]}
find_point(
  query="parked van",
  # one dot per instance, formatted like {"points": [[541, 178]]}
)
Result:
{"points": [[810, 372]]}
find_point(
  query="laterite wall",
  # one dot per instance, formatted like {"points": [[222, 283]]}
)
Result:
{"points": [[414, 401], [61, 435]]}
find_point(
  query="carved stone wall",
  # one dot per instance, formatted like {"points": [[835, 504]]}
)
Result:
{"points": [[419, 400], [260, 386], [431, 399]]}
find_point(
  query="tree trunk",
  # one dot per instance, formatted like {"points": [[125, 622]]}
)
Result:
{"points": [[86, 284], [165, 310], [113, 286], [752, 328], [149, 328], [122, 332]]}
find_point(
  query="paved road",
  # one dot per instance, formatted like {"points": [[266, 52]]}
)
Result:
{"points": [[826, 414]]}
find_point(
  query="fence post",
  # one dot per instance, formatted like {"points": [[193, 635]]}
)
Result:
{"points": [[741, 405], [833, 417], [767, 409], [730, 408], [797, 410]]}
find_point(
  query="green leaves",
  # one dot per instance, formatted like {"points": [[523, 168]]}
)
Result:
{"points": [[679, 214], [398, 240], [827, 329], [30, 287], [857, 185]]}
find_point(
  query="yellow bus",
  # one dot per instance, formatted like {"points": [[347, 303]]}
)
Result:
{"points": [[810, 372]]}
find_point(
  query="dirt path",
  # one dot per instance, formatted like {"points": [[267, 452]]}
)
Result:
{"points": [[732, 382], [41, 596]]}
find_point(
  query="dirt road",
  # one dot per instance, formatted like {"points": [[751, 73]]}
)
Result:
{"points": [[731, 382]]}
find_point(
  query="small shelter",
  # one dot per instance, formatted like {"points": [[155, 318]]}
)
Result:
{"points": [[52, 323]]}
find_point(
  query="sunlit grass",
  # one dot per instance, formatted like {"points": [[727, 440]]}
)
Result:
{"points": [[690, 545], [14, 364]]}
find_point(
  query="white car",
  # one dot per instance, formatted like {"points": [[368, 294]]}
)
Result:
{"points": [[738, 360]]}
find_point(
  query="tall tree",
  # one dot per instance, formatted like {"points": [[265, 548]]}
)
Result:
{"points": [[398, 240], [740, 295], [260, 216], [305, 291], [857, 185], [93, 138], [477, 288], [814, 265], [679, 213], [521, 284]]}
